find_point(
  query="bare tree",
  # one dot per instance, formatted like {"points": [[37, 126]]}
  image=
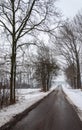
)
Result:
{"points": [[19, 18], [78, 25]]}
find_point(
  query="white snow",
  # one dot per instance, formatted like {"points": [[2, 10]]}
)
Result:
{"points": [[26, 97], [74, 96]]}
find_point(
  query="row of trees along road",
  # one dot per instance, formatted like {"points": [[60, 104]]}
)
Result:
{"points": [[21, 19], [69, 42]]}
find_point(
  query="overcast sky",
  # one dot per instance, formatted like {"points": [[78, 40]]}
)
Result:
{"points": [[69, 7]]}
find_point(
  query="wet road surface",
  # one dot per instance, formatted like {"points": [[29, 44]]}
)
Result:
{"points": [[54, 113]]}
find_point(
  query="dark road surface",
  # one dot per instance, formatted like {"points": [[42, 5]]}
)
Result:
{"points": [[54, 113]]}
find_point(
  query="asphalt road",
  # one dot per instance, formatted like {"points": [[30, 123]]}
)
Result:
{"points": [[54, 113]]}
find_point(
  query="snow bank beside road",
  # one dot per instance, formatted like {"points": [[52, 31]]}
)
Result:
{"points": [[26, 98], [74, 96]]}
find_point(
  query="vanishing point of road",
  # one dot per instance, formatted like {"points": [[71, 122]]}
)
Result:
{"points": [[53, 113]]}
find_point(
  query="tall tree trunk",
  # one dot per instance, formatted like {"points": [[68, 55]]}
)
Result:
{"points": [[78, 66], [13, 59], [78, 74], [13, 74]]}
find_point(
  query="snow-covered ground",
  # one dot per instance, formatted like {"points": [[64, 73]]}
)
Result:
{"points": [[74, 96], [25, 98]]}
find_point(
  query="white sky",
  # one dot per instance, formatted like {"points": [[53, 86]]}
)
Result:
{"points": [[69, 8]]}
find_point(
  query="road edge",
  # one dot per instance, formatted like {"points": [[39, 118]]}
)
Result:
{"points": [[18, 117], [72, 104]]}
